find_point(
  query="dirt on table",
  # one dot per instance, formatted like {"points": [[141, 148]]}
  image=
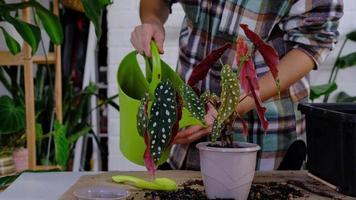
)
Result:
{"points": [[192, 190]]}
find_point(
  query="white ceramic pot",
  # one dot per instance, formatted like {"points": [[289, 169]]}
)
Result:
{"points": [[228, 172]]}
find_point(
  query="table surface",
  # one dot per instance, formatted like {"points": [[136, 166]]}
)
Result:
{"points": [[52, 185], [41, 186]]}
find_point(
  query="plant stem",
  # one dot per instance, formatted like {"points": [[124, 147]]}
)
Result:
{"points": [[335, 70]]}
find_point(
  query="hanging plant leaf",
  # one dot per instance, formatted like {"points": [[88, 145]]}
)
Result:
{"points": [[230, 94], [343, 97], [346, 61], [163, 117], [201, 70], [11, 43], [61, 145], [320, 90], [50, 23], [30, 33], [93, 10], [216, 131], [351, 36], [260, 109], [12, 116], [268, 53], [192, 102], [142, 116]]}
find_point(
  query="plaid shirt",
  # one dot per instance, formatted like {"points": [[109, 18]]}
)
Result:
{"points": [[308, 25]]}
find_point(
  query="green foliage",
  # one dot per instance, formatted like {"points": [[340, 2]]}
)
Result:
{"points": [[351, 36], [230, 94], [216, 131], [346, 61], [163, 116], [142, 116], [320, 90], [192, 102], [61, 144], [30, 33], [93, 10], [342, 62], [12, 116], [50, 23], [343, 97], [11, 43]]}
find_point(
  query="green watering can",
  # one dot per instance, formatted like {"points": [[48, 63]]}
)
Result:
{"points": [[132, 87]]}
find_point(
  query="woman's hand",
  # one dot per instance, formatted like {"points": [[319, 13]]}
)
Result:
{"points": [[193, 133], [142, 35]]}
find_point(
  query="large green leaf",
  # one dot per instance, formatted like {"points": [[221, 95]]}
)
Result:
{"points": [[11, 43], [61, 144], [163, 116], [230, 94], [320, 90], [346, 61], [74, 137], [93, 10], [351, 36], [12, 116], [343, 97], [50, 23], [30, 33], [192, 102]]}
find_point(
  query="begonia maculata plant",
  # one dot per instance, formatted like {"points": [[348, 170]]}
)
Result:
{"points": [[159, 114]]}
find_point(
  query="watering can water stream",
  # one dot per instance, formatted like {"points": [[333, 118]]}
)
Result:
{"points": [[133, 86]]}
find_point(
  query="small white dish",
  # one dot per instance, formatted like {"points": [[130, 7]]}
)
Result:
{"points": [[101, 193]]}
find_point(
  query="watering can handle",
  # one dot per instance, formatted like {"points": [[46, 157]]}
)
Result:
{"points": [[156, 67]]}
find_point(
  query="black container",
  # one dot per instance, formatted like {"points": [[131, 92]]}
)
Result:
{"points": [[331, 143]]}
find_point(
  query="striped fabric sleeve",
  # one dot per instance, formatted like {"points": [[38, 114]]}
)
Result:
{"points": [[312, 26]]}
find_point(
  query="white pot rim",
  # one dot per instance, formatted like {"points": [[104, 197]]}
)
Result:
{"points": [[247, 147]]}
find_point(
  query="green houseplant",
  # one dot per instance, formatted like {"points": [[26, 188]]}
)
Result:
{"points": [[167, 104], [341, 62], [13, 106]]}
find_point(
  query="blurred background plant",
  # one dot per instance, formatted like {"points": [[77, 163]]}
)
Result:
{"points": [[54, 140], [342, 62]]}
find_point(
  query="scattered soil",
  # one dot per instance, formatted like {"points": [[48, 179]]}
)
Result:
{"points": [[312, 189], [192, 190], [273, 191]]}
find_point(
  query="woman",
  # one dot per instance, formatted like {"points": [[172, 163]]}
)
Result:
{"points": [[302, 31]]}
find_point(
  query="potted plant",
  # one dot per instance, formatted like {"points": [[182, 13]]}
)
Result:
{"points": [[227, 167]]}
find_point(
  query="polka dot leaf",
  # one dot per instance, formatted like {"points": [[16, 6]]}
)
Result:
{"points": [[163, 116], [216, 131], [192, 102], [142, 116], [230, 94]]}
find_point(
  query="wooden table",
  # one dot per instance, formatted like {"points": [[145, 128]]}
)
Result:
{"points": [[311, 188]]}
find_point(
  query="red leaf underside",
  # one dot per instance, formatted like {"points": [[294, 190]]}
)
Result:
{"points": [[248, 70], [268, 53], [201, 70], [150, 166], [175, 127], [260, 109]]}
